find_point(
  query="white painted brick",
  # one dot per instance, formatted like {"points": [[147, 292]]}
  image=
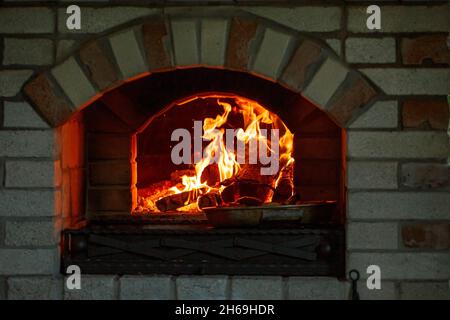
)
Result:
{"points": [[372, 175], [424, 144], [2, 288], [388, 291], [335, 45], [317, 288], [2, 176], [34, 288], [399, 205], [27, 203], [28, 262], [74, 82], [128, 55], [404, 266], [271, 53], [146, 288], [64, 48], [37, 143], [185, 42], [202, 287], [93, 287], [96, 20], [214, 34], [30, 174], [370, 50], [382, 115], [28, 51], [311, 19], [26, 20], [372, 235], [325, 82], [402, 19], [30, 233], [21, 115], [11, 81], [424, 290], [257, 288], [396, 81]]}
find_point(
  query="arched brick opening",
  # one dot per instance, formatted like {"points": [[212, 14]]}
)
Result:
{"points": [[238, 44], [135, 117], [245, 44]]}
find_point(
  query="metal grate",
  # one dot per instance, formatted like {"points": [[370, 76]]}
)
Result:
{"points": [[199, 249]]}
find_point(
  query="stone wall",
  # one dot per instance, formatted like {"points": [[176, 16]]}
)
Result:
{"points": [[398, 176]]}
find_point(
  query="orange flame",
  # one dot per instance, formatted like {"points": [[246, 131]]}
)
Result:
{"points": [[253, 115]]}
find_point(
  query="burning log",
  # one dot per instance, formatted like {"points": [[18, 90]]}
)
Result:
{"points": [[176, 176], [211, 175], [177, 200], [249, 201], [285, 183], [173, 201], [229, 192], [211, 199], [249, 182], [253, 172], [247, 188], [157, 188]]}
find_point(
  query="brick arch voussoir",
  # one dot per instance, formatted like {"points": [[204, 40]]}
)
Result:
{"points": [[248, 44]]}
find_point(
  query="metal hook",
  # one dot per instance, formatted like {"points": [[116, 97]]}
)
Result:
{"points": [[354, 277]]}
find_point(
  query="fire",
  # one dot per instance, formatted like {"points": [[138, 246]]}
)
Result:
{"points": [[227, 163], [256, 120]]}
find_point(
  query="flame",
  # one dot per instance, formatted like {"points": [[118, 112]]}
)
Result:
{"points": [[254, 117]]}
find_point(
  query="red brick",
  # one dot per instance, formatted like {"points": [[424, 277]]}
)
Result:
{"points": [[318, 193], [426, 114], [317, 148], [317, 122], [433, 47], [51, 105], [77, 194], [242, 32], [65, 196], [124, 108], [110, 173], [110, 200], [101, 69], [427, 235], [317, 173], [109, 146], [155, 36], [425, 175], [71, 142], [350, 101], [99, 118], [298, 70]]}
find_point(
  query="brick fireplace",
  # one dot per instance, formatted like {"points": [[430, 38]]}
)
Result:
{"points": [[82, 135]]}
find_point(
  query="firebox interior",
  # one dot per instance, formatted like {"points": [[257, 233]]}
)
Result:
{"points": [[142, 115], [202, 146]]}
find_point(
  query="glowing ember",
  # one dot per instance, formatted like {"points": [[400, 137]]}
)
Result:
{"points": [[232, 165]]}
